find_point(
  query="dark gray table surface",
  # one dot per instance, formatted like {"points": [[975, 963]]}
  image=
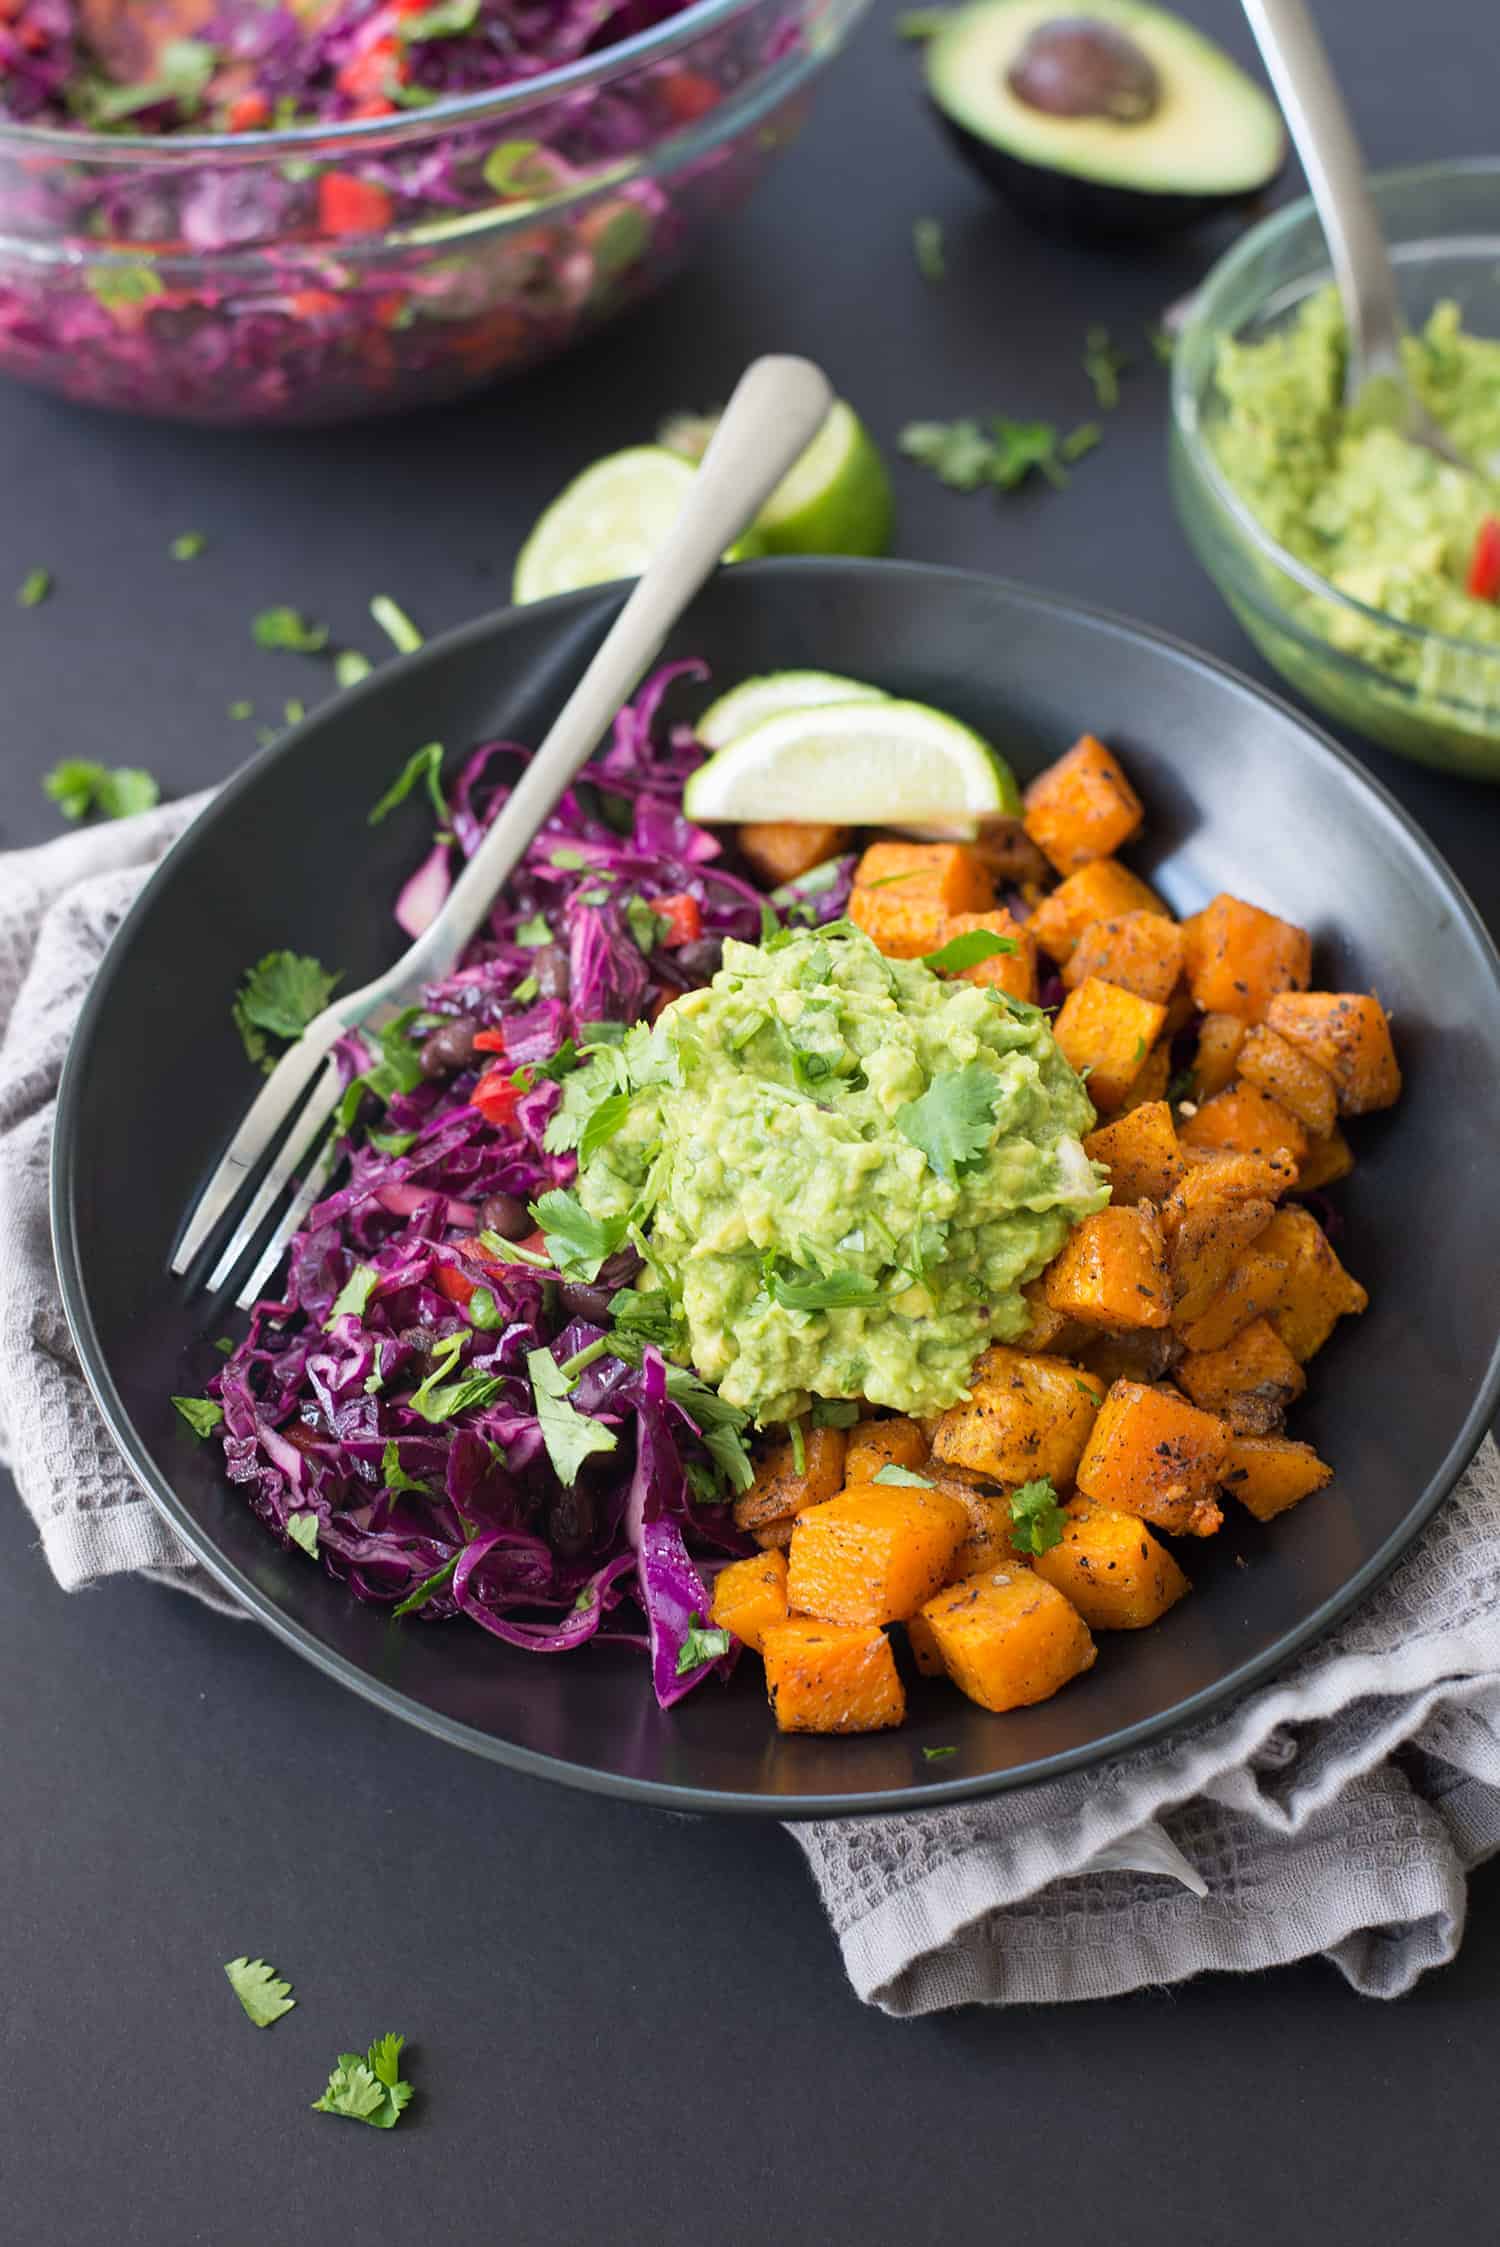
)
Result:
{"points": [[623, 2025]]}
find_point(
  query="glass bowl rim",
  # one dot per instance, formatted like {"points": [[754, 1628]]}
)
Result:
{"points": [[1202, 320]]}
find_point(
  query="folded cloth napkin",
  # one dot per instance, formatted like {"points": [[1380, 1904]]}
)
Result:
{"points": [[1337, 1809]]}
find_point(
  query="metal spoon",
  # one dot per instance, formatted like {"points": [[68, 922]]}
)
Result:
{"points": [[1319, 123]]}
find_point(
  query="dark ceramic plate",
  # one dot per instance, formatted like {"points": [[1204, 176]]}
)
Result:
{"points": [[1242, 794]]}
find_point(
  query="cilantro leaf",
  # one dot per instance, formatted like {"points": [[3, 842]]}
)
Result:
{"points": [[280, 995], [1103, 365], [602, 1124], [425, 765], [1021, 446], [834, 1412], [421, 1593], [257, 1986], [287, 628], [438, 1398], [370, 2089], [700, 1646], [576, 1242], [34, 588], [394, 1476], [927, 247], [349, 667], [241, 709], [355, 1293], [958, 452], [187, 546], [799, 1448], [303, 1530], [396, 624], [534, 933], [78, 786], [645, 925], [936, 1755], [646, 1315], [1163, 344], [202, 1414], [968, 950], [720, 1424], [1080, 441], [444, 21], [1037, 1520], [954, 1121], [124, 284], [570, 1437], [903, 1478], [820, 1291]]}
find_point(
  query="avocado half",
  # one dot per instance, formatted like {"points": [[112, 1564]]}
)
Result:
{"points": [[1104, 117]]}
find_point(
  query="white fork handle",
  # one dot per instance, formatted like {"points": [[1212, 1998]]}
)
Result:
{"points": [[778, 407]]}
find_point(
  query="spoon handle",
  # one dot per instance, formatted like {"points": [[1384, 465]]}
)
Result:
{"points": [[1299, 69]]}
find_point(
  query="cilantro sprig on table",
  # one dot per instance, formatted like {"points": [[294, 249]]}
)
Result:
{"points": [[278, 998], [263, 1994], [78, 786], [371, 2089], [967, 454]]}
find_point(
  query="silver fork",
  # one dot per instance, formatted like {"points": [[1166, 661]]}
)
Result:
{"points": [[777, 409]]}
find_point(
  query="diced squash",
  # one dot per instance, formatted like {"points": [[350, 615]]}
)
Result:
{"points": [[1243, 1120], [924, 1646], [1219, 1040], [1082, 807], [1269, 1473], [1100, 891], [1142, 952], [989, 1543], [827, 1677], [778, 850], [1346, 1033], [1252, 1289], [1239, 957], [1222, 1181], [1205, 1248], [906, 893], [1293, 1080], [1011, 856], [1111, 1568], [775, 1536], [1147, 1354], [1008, 1639], [1181, 1012], [874, 1553], [873, 1444], [750, 1597], [1152, 1078], [1109, 1032], [1249, 1382], [1048, 1331], [1026, 1416], [1140, 1152], [1112, 1270], [1154, 1455], [780, 1489], [1316, 1292], [1325, 1163], [1015, 971]]}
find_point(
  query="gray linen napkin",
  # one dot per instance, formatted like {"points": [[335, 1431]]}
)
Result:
{"points": [[1337, 1809]]}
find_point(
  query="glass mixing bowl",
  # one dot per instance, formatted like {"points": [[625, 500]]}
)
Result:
{"points": [[321, 273], [1421, 694]]}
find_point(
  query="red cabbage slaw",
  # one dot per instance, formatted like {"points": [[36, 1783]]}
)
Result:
{"points": [[389, 1409]]}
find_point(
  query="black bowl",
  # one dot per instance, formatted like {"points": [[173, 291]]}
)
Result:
{"points": [[1242, 794]]}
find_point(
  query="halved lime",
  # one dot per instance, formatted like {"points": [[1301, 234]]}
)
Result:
{"points": [[754, 700], [837, 500], [869, 764], [607, 524]]}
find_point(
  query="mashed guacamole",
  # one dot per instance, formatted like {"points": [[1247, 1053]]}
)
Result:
{"points": [[843, 1169], [1382, 519]]}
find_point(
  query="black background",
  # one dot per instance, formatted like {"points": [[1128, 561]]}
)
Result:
{"points": [[623, 2024]]}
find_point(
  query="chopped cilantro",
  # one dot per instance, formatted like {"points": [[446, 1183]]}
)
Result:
{"points": [[355, 1293], [287, 628], [396, 624], [903, 1478], [966, 951], [799, 1448], [1037, 1520], [526, 990], [78, 786], [187, 546], [294, 710], [394, 1476], [568, 860], [110, 285], [700, 1646], [1103, 365], [936, 1755], [1163, 343], [1140, 1049], [569, 1436], [577, 1243], [263, 1995], [834, 1412], [242, 709], [484, 1312], [645, 926], [582, 1359], [303, 1531], [959, 455], [280, 995], [1080, 441], [370, 2089], [921, 23], [445, 20], [202, 1414], [183, 70], [1021, 446], [34, 588], [927, 247], [602, 1123], [954, 1120], [437, 1398], [421, 1593], [390, 1142], [511, 1252], [225, 1346], [534, 933], [424, 765], [797, 1289], [349, 667]]}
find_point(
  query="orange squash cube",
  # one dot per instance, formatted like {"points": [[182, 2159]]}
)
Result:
{"points": [[1100, 891], [1252, 1289], [1047, 1331], [1243, 1120], [1141, 952], [1269, 1473], [778, 850], [781, 1489], [1147, 1353], [1216, 1057], [873, 1444], [1111, 1568], [827, 1677], [924, 1646], [1154, 1456], [1152, 1079], [1082, 807], [1223, 1180], [874, 1553], [1346, 1033], [1109, 1032], [775, 1536], [1292, 1079], [1014, 972], [989, 1543], [1112, 1270], [1239, 957], [1204, 1251], [1008, 1639], [1026, 1416], [1316, 1291], [750, 1598], [1140, 1152], [906, 893], [1248, 1383], [1325, 1163]]}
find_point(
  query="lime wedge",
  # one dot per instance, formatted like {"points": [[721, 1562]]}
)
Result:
{"points": [[869, 764], [754, 700], [607, 524], [837, 500]]}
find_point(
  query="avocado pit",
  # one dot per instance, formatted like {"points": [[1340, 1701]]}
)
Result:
{"points": [[1076, 66]]}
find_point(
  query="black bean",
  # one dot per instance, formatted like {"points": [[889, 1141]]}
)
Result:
{"points": [[503, 1214], [620, 1269], [415, 1338], [549, 964], [449, 1047], [570, 1520], [701, 960], [581, 1302]]}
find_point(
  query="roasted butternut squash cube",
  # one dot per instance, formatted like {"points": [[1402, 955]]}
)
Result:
{"points": [[1082, 807], [778, 850], [1008, 1639], [1014, 971], [1152, 1078], [873, 1444], [874, 1553], [1254, 1287], [1325, 1163], [1239, 957], [1204, 1250], [775, 1536], [1112, 1269], [1216, 1056], [1346, 1033], [1141, 952], [1316, 1291], [781, 1489], [1100, 891], [1248, 1383], [1140, 1152], [906, 893], [1243, 1120], [750, 1597], [1109, 1032], [1155, 1456], [1270, 1473], [990, 1540], [1111, 1568], [1026, 1416], [1293, 1080], [830, 1677], [1216, 1180], [924, 1646], [1048, 1331]]}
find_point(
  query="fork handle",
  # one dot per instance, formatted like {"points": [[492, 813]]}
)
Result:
{"points": [[777, 409]]}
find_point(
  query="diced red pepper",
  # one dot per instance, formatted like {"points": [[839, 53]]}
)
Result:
{"points": [[389, 309], [683, 917], [490, 1041], [496, 1097], [367, 74], [247, 112], [313, 304], [453, 1283], [352, 206], [1484, 564], [687, 94]]}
